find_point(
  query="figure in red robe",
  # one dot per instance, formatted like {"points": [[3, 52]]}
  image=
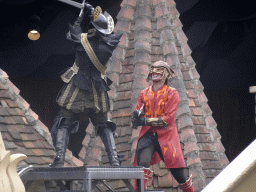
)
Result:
{"points": [[159, 139]]}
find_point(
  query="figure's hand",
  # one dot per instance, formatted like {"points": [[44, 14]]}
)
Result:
{"points": [[88, 9], [137, 120], [137, 113]]}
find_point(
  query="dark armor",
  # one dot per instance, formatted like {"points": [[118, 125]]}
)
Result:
{"points": [[85, 91]]}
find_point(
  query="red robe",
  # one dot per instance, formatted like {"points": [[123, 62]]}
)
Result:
{"points": [[163, 104]]}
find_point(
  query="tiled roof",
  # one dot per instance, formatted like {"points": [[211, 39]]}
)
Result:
{"points": [[21, 129], [153, 31]]}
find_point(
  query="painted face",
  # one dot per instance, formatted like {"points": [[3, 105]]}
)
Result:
{"points": [[159, 71], [156, 77], [157, 74]]}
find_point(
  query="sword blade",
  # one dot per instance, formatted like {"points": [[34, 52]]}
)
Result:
{"points": [[73, 3]]}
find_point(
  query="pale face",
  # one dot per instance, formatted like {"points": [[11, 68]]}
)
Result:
{"points": [[156, 77], [157, 74]]}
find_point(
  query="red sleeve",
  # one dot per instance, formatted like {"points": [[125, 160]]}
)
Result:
{"points": [[170, 107], [139, 101]]}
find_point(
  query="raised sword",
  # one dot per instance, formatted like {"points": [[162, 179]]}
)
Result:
{"points": [[75, 4]]}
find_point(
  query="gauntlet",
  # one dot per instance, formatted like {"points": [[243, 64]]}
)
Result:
{"points": [[155, 122]]}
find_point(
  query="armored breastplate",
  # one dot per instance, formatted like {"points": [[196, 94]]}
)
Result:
{"points": [[88, 73]]}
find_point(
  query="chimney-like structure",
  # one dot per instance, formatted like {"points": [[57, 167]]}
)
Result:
{"points": [[152, 31]]}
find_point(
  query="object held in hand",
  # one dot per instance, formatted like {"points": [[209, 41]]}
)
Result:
{"points": [[76, 4], [137, 119]]}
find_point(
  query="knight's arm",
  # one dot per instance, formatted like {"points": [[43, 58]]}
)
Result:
{"points": [[75, 30]]}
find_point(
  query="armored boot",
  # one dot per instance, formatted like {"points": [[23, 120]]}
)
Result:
{"points": [[60, 136], [106, 134], [187, 186], [60, 147]]}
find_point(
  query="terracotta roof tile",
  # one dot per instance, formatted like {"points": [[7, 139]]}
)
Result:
{"points": [[23, 150], [143, 11], [125, 131], [75, 160], [38, 144], [208, 155], [123, 121], [11, 103], [143, 23], [219, 147], [30, 129], [29, 144], [3, 94], [18, 120], [188, 135], [38, 152], [215, 133], [3, 111], [48, 152], [193, 159], [190, 147], [182, 109], [123, 26], [15, 135], [158, 171], [3, 120], [123, 147], [9, 120], [9, 145], [3, 103], [196, 171], [198, 120], [166, 180], [223, 160], [3, 127], [127, 13], [209, 164], [2, 86], [47, 160], [201, 129], [199, 183], [6, 136], [128, 2], [30, 160], [204, 138], [211, 173], [82, 152], [39, 160], [121, 113], [12, 111]]}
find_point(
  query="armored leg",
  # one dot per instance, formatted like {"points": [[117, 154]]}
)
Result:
{"points": [[61, 142], [105, 131]]}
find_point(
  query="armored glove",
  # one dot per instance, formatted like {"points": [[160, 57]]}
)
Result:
{"points": [[155, 122], [88, 10], [137, 120]]}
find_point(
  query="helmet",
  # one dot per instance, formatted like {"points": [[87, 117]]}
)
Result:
{"points": [[103, 23], [162, 68]]}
